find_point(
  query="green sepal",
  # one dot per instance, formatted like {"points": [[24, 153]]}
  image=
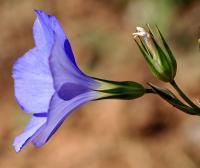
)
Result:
{"points": [[153, 66], [170, 57], [121, 90], [162, 60]]}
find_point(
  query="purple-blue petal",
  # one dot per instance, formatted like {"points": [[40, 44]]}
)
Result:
{"points": [[42, 32], [71, 90], [54, 26], [69, 53], [41, 114], [29, 132], [59, 110], [33, 82], [64, 70]]}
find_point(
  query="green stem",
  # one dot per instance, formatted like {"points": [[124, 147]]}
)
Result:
{"points": [[181, 93], [148, 90]]}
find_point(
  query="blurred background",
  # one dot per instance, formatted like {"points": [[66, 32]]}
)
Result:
{"points": [[142, 133]]}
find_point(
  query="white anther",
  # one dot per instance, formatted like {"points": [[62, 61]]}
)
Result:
{"points": [[142, 33]]}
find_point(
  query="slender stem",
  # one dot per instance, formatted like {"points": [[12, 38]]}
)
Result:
{"points": [[182, 94], [148, 90]]}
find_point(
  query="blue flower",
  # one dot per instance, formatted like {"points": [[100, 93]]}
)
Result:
{"points": [[49, 85], [48, 82]]}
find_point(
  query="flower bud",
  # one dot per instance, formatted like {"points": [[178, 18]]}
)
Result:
{"points": [[160, 60]]}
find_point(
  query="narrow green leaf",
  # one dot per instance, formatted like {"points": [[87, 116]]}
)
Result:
{"points": [[173, 100]]}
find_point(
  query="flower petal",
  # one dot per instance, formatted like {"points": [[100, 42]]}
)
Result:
{"points": [[54, 26], [42, 32], [59, 110], [70, 90], [33, 81], [30, 131], [64, 70]]}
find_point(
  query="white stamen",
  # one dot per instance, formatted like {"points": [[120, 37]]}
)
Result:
{"points": [[140, 31]]}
